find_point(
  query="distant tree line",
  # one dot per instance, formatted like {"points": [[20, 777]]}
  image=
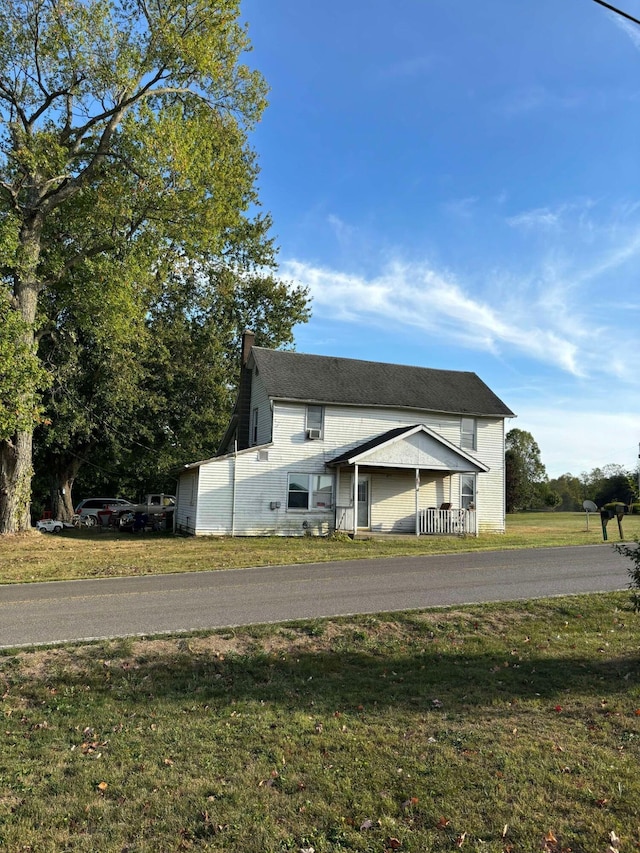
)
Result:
{"points": [[529, 488]]}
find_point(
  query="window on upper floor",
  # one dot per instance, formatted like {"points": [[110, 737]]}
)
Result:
{"points": [[310, 491], [468, 434], [254, 426], [315, 421]]}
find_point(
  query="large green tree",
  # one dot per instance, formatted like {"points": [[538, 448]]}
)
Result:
{"points": [[119, 425], [122, 124], [526, 476]]}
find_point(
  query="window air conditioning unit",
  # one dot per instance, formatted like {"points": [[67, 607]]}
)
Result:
{"points": [[313, 433]]}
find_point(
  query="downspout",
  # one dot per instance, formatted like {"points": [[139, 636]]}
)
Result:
{"points": [[233, 489]]}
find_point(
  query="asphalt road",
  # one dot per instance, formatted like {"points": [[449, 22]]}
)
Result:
{"points": [[64, 611]]}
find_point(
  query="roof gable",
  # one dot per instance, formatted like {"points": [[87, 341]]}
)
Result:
{"points": [[326, 379], [411, 447]]}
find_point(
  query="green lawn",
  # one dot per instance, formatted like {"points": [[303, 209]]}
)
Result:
{"points": [[488, 728], [97, 553], [506, 727]]}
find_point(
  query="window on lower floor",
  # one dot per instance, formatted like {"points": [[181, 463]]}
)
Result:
{"points": [[468, 491], [310, 491]]}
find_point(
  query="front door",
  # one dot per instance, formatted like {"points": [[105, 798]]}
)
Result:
{"points": [[364, 502]]}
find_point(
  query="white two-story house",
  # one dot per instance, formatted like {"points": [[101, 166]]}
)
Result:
{"points": [[318, 444]]}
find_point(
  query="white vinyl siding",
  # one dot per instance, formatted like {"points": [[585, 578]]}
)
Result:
{"points": [[261, 410], [237, 493]]}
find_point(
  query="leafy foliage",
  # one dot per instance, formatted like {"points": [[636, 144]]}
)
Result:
{"points": [[525, 473], [123, 149], [19, 369], [633, 553]]}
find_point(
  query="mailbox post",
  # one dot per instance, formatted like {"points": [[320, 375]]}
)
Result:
{"points": [[607, 514]]}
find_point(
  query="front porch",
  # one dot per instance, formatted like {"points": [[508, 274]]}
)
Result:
{"points": [[378, 485], [430, 522]]}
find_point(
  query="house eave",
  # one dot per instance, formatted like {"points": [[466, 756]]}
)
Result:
{"points": [[468, 413]]}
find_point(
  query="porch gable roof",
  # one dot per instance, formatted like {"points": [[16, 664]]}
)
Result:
{"points": [[411, 447]]}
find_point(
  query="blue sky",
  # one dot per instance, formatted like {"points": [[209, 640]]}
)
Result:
{"points": [[458, 184]]}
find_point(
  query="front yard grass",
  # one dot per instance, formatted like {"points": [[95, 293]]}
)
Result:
{"points": [[506, 727], [98, 553]]}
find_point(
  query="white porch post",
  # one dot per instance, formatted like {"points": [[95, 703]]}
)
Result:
{"points": [[336, 499], [355, 500], [417, 502]]}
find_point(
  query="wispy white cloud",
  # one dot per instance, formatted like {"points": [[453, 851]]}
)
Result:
{"points": [[628, 27], [541, 217], [343, 232], [462, 207], [559, 301], [417, 296], [573, 214]]}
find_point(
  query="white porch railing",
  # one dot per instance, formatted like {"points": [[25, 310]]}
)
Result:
{"points": [[457, 522], [448, 521]]}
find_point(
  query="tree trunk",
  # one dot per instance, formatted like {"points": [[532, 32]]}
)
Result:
{"points": [[15, 483], [16, 455], [61, 485]]}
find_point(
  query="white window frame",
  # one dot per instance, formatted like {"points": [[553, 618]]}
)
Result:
{"points": [[315, 483], [469, 433], [468, 491], [254, 426], [314, 419]]}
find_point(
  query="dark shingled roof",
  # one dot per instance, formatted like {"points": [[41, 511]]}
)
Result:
{"points": [[327, 379]]}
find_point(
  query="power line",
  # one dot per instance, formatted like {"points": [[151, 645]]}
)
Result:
{"points": [[617, 11]]}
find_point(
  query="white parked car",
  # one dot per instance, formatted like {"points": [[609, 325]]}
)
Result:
{"points": [[89, 508], [49, 525]]}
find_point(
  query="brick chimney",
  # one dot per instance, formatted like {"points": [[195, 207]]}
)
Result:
{"points": [[244, 391], [248, 340]]}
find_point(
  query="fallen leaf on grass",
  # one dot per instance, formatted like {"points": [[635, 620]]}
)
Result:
{"points": [[614, 841], [412, 801], [366, 824], [394, 843], [461, 839], [102, 786], [443, 823]]}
